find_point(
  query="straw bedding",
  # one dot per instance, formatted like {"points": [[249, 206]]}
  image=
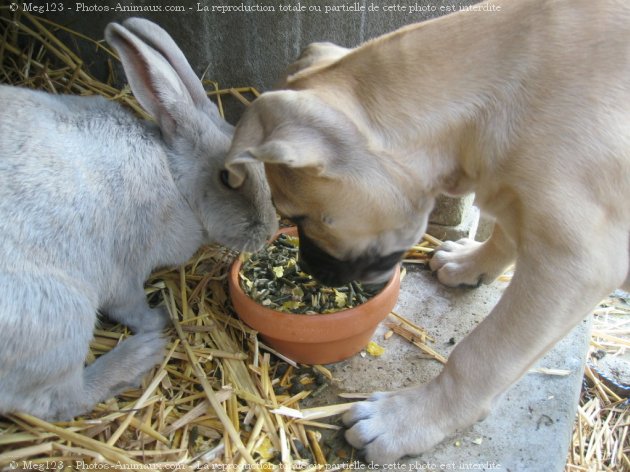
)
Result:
{"points": [[601, 440], [220, 397]]}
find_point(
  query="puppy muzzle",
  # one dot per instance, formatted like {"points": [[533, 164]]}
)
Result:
{"points": [[369, 268]]}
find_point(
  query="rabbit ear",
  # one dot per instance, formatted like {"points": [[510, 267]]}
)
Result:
{"points": [[155, 83], [160, 40]]}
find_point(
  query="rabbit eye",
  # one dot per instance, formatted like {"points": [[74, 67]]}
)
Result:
{"points": [[224, 176]]}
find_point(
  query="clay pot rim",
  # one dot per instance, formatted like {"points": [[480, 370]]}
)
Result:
{"points": [[359, 311]]}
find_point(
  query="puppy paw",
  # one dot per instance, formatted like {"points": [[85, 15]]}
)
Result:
{"points": [[462, 263], [390, 425]]}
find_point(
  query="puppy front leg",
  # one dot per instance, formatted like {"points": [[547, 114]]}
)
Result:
{"points": [[470, 263], [550, 293]]}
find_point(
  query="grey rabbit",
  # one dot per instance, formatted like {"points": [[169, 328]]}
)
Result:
{"points": [[92, 199]]}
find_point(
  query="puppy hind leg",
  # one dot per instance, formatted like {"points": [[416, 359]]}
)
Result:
{"points": [[470, 263]]}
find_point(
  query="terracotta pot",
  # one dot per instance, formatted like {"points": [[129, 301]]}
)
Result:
{"points": [[314, 339]]}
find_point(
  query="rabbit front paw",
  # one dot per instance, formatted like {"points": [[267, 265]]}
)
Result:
{"points": [[140, 318], [150, 320], [125, 365]]}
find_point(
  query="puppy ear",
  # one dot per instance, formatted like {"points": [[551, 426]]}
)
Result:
{"points": [[314, 57], [291, 128], [236, 166], [284, 152], [277, 152]]}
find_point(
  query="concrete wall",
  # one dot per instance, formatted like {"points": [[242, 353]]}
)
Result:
{"points": [[251, 48]]}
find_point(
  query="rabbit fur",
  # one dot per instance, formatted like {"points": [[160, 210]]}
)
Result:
{"points": [[91, 200]]}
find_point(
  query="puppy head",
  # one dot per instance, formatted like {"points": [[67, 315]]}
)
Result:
{"points": [[357, 211]]}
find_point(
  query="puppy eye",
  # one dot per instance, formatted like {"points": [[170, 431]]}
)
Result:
{"points": [[224, 177]]}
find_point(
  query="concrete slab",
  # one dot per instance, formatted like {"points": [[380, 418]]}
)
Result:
{"points": [[466, 228], [528, 431], [451, 211]]}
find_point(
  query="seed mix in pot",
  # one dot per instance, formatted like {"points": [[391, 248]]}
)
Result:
{"points": [[272, 277]]}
